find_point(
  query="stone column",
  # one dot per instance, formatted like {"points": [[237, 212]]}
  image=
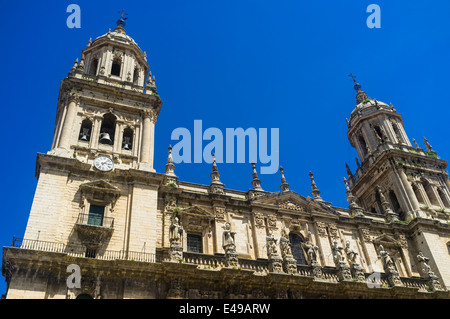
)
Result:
{"points": [[95, 134], [148, 134], [64, 141], [412, 200]]}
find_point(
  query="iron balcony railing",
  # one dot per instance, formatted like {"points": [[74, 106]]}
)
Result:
{"points": [[77, 250], [95, 220]]}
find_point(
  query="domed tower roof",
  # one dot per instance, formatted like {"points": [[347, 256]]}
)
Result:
{"points": [[364, 104]]}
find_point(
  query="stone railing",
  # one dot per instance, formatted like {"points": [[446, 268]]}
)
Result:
{"points": [[204, 261], [77, 250]]}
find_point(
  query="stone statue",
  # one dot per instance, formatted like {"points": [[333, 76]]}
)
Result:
{"points": [[427, 145], [228, 237], [285, 244], [351, 254], [311, 251], [176, 230], [271, 244], [388, 264], [424, 261], [338, 256], [415, 143]]}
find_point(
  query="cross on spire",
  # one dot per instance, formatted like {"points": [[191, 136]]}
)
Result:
{"points": [[121, 21], [353, 77]]}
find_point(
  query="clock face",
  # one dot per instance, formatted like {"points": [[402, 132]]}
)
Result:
{"points": [[103, 163]]}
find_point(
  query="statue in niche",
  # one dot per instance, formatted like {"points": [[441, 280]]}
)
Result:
{"points": [[271, 244], [176, 230], [285, 244], [338, 255], [311, 251], [228, 240], [351, 254], [388, 264]]}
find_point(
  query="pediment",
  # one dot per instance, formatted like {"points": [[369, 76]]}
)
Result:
{"points": [[292, 201], [386, 240], [100, 185], [196, 211]]}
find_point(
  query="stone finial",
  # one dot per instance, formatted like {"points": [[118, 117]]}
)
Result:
{"points": [[361, 96], [256, 182], [349, 172], [427, 145], [315, 191], [216, 185], [75, 65], [390, 215], [355, 210], [415, 144], [169, 175], [284, 185]]}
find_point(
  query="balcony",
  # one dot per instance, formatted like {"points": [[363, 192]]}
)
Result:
{"points": [[94, 230]]}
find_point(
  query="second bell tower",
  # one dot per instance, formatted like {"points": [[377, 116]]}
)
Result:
{"points": [[393, 179]]}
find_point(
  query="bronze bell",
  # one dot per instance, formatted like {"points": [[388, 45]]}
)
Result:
{"points": [[126, 143], [84, 135], [105, 139]]}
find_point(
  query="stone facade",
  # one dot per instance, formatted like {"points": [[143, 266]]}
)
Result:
{"points": [[135, 233]]}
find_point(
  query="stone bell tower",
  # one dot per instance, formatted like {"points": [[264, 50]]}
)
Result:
{"points": [[394, 179], [106, 107], [96, 186]]}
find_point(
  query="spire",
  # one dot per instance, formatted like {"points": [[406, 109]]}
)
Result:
{"points": [[256, 182], [121, 22], [315, 191], [355, 210], [284, 185], [388, 212], [361, 96], [169, 175], [216, 185]]}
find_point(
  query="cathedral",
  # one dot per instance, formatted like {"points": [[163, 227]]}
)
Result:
{"points": [[133, 233]]}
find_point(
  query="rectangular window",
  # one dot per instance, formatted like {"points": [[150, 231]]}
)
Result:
{"points": [[194, 243], [96, 215]]}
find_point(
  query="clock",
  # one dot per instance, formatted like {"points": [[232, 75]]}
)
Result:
{"points": [[103, 163]]}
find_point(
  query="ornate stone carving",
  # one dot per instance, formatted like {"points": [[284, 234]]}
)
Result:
{"points": [[275, 261], [334, 232], [272, 221], [175, 239], [289, 204], [344, 272], [289, 263], [259, 220], [228, 244], [389, 267], [219, 213], [321, 229], [433, 280]]}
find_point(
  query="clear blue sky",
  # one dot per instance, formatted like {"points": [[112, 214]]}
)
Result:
{"points": [[261, 64]]}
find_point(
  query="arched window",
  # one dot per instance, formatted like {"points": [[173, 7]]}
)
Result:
{"points": [[430, 193], [136, 76], [127, 141], [85, 130], [443, 198], [94, 66], [418, 194], [397, 132], [297, 249], [108, 129], [396, 204], [363, 145], [116, 66]]}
